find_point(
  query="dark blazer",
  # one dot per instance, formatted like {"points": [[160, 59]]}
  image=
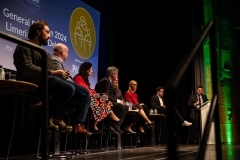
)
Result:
{"points": [[193, 99], [155, 103], [59, 65], [105, 86]]}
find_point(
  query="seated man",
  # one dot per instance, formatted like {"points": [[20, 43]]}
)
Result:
{"points": [[105, 86], [157, 102], [60, 54], [66, 95]]}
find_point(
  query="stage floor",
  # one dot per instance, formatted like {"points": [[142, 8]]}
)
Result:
{"points": [[184, 152]]}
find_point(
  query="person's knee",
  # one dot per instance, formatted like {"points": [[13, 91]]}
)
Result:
{"points": [[126, 108]]}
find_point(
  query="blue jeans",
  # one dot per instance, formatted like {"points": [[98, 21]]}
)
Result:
{"points": [[67, 96]]}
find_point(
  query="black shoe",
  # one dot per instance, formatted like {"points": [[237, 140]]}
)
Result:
{"points": [[116, 128], [129, 131], [111, 129]]}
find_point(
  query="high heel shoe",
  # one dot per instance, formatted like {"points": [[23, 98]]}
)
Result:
{"points": [[140, 130], [129, 131], [150, 125]]}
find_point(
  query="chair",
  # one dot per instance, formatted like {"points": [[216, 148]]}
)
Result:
{"points": [[56, 153], [133, 137], [87, 138], [113, 141], [156, 118]]}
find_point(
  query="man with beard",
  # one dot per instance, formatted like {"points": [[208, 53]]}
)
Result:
{"points": [[66, 95]]}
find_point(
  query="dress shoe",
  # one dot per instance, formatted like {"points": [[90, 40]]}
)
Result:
{"points": [[116, 128], [52, 126], [150, 125], [79, 128], [111, 129], [186, 124], [129, 131], [61, 124]]}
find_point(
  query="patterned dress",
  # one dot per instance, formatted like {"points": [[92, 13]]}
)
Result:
{"points": [[100, 104]]}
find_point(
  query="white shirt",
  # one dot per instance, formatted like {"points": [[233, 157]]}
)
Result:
{"points": [[160, 100]]}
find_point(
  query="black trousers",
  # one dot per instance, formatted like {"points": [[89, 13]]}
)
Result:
{"points": [[120, 111]]}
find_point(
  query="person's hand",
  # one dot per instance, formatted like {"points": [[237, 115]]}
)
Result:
{"points": [[122, 102], [164, 107], [60, 73], [68, 73], [197, 103]]}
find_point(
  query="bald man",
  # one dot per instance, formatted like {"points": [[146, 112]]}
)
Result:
{"points": [[60, 54]]}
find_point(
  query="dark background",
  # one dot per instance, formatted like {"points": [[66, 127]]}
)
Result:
{"points": [[145, 40]]}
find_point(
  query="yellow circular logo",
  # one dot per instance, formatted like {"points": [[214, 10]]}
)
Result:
{"points": [[82, 33]]}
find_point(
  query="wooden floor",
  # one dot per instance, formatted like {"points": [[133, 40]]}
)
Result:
{"points": [[184, 152]]}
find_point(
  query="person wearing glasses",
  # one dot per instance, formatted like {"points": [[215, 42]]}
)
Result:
{"points": [[131, 96]]}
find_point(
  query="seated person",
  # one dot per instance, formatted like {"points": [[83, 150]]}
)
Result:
{"points": [[100, 105], [60, 54], [104, 85], [131, 96], [157, 101], [66, 95]]}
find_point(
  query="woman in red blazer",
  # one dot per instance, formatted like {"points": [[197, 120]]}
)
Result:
{"points": [[131, 96]]}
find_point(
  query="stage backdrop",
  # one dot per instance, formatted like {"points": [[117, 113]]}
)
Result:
{"points": [[71, 22]]}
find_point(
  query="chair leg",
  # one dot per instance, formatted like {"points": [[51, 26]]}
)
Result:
{"points": [[39, 142], [65, 146]]}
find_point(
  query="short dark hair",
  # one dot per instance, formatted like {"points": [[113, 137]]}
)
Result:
{"points": [[110, 70], [159, 88], [199, 86], [38, 25]]}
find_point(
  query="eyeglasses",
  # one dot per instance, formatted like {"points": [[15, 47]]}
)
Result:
{"points": [[134, 84]]}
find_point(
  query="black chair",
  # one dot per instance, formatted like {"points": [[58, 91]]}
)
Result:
{"points": [[37, 107]]}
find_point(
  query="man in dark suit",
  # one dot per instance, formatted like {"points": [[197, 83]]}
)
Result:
{"points": [[195, 101], [119, 108], [157, 102]]}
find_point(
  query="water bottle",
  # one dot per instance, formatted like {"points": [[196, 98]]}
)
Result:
{"points": [[151, 111], [2, 73], [155, 110], [130, 105]]}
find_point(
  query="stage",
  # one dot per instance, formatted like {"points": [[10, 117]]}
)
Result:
{"points": [[184, 152]]}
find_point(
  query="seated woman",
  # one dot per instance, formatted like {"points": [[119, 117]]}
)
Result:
{"points": [[144, 119], [100, 105]]}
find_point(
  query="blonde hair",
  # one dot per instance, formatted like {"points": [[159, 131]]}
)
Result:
{"points": [[129, 87]]}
